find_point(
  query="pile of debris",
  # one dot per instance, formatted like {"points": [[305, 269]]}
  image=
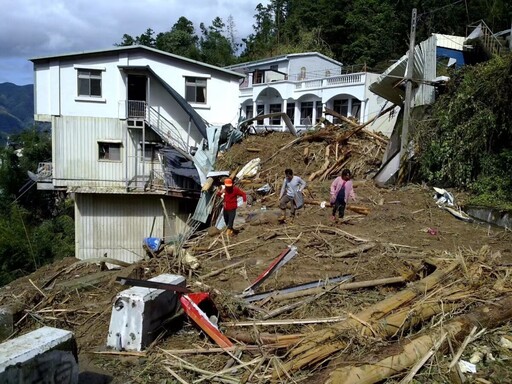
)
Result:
{"points": [[375, 297]]}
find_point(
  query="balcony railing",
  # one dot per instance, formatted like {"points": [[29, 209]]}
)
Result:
{"points": [[326, 82], [136, 109]]}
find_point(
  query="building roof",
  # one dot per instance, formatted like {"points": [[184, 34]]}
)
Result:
{"points": [[274, 59], [41, 59], [449, 41]]}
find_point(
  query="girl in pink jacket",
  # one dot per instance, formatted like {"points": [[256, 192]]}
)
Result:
{"points": [[341, 191]]}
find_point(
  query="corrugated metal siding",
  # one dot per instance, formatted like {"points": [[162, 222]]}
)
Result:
{"points": [[76, 151], [116, 225], [425, 64]]}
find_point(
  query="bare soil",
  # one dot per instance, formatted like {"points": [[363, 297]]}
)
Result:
{"points": [[404, 222]]}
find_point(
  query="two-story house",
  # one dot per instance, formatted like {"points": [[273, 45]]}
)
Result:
{"points": [[134, 132], [302, 85]]}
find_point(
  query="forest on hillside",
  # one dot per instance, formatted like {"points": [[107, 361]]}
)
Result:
{"points": [[366, 32]]}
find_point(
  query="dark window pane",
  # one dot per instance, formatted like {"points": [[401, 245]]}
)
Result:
{"points": [[95, 87]]}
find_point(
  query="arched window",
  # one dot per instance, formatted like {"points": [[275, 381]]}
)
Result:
{"points": [[302, 73]]}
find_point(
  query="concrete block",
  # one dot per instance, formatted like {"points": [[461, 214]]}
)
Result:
{"points": [[6, 323], [47, 355], [138, 312]]}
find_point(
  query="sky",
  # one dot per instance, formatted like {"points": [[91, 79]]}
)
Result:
{"points": [[34, 28]]}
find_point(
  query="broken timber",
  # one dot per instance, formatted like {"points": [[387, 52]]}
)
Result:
{"points": [[486, 316], [319, 345], [285, 256]]}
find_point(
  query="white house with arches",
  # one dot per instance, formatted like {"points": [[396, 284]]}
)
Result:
{"points": [[302, 85]]}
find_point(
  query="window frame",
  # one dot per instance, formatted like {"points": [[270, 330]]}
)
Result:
{"points": [[273, 108], [305, 107], [192, 83], [90, 75], [109, 144]]}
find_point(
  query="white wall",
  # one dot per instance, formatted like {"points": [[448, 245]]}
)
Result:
{"points": [[312, 63], [56, 85]]}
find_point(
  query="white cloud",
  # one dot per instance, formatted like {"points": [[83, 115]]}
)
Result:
{"points": [[32, 28]]}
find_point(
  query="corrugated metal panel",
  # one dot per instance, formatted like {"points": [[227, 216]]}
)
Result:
{"points": [[450, 41], [76, 139], [116, 225], [204, 207], [387, 87], [425, 61]]}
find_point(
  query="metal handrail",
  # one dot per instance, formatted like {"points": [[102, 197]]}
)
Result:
{"points": [[165, 129]]}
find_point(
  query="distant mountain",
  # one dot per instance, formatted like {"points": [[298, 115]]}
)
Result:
{"points": [[16, 108]]}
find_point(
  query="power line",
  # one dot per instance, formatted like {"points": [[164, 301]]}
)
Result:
{"points": [[439, 9]]}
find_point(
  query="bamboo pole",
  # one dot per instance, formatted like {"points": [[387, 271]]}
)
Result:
{"points": [[314, 348], [486, 316], [354, 251]]}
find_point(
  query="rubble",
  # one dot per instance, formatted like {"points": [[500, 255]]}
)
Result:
{"points": [[386, 295]]}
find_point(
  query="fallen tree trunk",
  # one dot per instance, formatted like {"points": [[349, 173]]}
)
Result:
{"points": [[316, 347], [458, 328]]}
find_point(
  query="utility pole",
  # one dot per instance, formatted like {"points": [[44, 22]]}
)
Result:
{"points": [[404, 147]]}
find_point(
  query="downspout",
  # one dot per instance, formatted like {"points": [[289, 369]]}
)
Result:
{"points": [[125, 140], [188, 134]]}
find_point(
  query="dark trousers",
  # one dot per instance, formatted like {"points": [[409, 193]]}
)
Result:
{"points": [[229, 218], [339, 204]]}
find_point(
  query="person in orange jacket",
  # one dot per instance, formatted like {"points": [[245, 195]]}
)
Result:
{"points": [[230, 195]]}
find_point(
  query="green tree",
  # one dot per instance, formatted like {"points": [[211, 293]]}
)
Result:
{"points": [[180, 40], [467, 140], [35, 227], [215, 47]]}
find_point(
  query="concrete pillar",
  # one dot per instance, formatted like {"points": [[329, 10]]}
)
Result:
{"points": [[46, 355], [362, 112], [283, 108]]}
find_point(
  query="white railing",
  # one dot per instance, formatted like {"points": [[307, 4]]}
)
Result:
{"points": [[344, 79]]}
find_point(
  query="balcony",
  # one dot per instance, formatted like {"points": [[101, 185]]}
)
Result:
{"points": [[351, 79]]}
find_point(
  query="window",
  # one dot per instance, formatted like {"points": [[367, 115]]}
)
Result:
{"points": [[356, 108], [248, 112], [276, 120], [302, 73], [290, 111], [195, 90], [306, 112], [89, 82], [150, 152], [341, 107], [258, 77], [109, 151], [319, 110], [260, 110]]}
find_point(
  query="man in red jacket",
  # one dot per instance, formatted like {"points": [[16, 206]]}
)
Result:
{"points": [[230, 195]]}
